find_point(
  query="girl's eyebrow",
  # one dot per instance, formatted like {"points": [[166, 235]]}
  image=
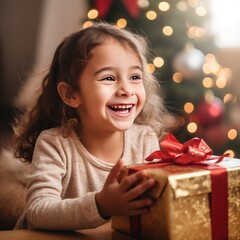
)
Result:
{"points": [[136, 67], [112, 68]]}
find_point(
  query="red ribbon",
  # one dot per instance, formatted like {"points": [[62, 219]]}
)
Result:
{"points": [[103, 7], [191, 152], [194, 152]]}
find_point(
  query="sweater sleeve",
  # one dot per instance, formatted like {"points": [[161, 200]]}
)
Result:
{"points": [[46, 209]]}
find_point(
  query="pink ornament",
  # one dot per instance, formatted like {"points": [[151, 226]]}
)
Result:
{"points": [[209, 113]]}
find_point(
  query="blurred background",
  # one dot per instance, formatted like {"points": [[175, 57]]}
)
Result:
{"points": [[195, 56]]}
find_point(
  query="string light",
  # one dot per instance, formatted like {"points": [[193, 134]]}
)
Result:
{"points": [[182, 6], [188, 107], [158, 62], [151, 15], [225, 72], [167, 30], [201, 11], [214, 67], [211, 67], [232, 134], [143, 3], [227, 98], [193, 3], [92, 14], [207, 82], [200, 33], [230, 152], [177, 77], [195, 32], [122, 23], [164, 6], [210, 57], [192, 127], [221, 82], [87, 24], [150, 68]]}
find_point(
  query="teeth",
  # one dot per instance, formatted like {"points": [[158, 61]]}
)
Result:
{"points": [[121, 106]]}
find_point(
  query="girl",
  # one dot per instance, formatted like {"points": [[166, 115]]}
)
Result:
{"points": [[99, 109]]}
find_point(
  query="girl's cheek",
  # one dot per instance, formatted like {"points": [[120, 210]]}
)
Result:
{"points": [[143, 94]]}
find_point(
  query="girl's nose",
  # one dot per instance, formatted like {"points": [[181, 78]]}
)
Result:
{"points": [[125, 89]]}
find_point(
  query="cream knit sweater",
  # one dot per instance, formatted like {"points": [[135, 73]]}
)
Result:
{"points": [[64, 178]]}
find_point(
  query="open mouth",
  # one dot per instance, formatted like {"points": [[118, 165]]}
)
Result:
{"points": [[121, 108]]}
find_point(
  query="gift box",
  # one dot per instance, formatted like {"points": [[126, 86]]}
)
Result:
{"points": [[194, 200]]}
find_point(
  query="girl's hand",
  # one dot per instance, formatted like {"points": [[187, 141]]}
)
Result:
{"points": [[123, 198]]}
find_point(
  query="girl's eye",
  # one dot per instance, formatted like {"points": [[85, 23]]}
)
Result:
{"points": [[136, 77], [108, 78]]}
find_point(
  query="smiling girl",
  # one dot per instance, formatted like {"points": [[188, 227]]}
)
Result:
{"points": [[99, 110]]}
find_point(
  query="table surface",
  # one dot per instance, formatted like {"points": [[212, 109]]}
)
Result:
{"points": [[104, 232]]}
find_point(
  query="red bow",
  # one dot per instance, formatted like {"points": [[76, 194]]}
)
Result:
{"points": [[103, 7], [193, 151]]}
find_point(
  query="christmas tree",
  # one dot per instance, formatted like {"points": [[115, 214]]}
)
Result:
{"points": [[196, 86]]}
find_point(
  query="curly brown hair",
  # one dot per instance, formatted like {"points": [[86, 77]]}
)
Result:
{"points": [[68, 63]]}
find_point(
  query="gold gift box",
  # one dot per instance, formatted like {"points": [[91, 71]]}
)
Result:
{"points": [[181, 210]]}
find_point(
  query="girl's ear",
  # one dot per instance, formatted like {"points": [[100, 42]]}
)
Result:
{"points": [[70, 97]]}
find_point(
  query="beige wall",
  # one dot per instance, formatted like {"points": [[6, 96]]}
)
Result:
{"points": [[59, 18], [231, 58], [30, 30]]}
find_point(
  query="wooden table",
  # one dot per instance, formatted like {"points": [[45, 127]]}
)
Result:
{"points": [[103, 232]]}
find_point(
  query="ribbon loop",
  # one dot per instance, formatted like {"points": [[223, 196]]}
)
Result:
{"points": [[193, 151]]}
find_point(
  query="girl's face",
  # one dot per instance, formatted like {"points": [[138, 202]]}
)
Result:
{"points": [[111, 89]]}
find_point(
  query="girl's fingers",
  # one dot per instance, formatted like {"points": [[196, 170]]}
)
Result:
{"points": [[131, 180], [114, 173], [140, 207], [140, 189], [136, 212], [141, 203]]}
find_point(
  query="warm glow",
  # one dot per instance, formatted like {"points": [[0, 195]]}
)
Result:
{"points": [[151, 15], [188, 107], [232, 134], [201, 11], [200, 32], [221, 82], [192, 127], [167, 30], [207, 82], [193, 3], [121, 23], [158, 62], [182, 6], [177, 77], [211, 67], [214, 66], [150, 68], [225, 72], [143, 3], [228, 98], [206, 68], [87, 24], [92, 14], [163, 6], [191, 31], [231, 153], [210, 57]]}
